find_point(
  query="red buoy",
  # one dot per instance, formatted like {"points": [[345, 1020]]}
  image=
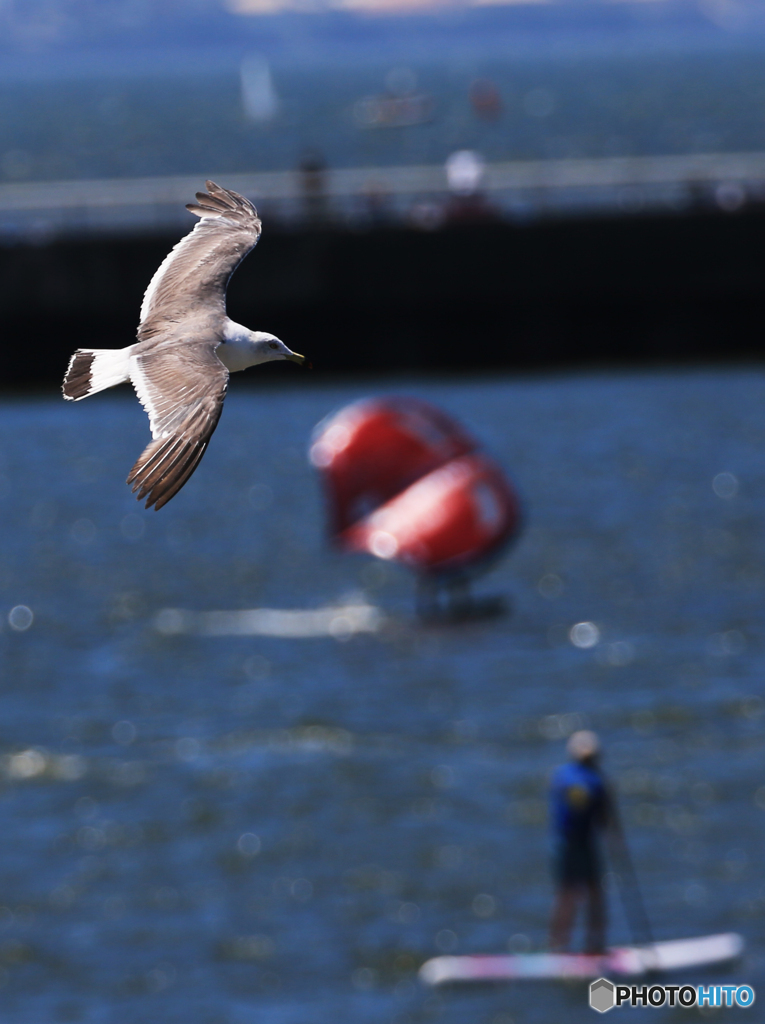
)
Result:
{"points": [[450, 519], [405, 482], [373, 450]]}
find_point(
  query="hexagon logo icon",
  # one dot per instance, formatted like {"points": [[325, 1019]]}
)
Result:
{"points": [[602, 996]]}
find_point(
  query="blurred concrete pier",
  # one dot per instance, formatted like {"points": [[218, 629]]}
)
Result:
{"points": [[517, 189]]}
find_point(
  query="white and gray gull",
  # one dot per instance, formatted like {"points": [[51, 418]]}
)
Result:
{"points": [[186, 346]]}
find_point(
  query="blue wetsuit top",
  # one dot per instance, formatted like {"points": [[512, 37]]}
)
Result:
{"points": [[579, 803]]}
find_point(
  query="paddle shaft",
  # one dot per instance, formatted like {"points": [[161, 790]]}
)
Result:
{"points": [[629, 888]]}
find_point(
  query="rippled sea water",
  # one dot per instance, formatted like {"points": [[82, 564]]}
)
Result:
{"points": [[224, 830]]}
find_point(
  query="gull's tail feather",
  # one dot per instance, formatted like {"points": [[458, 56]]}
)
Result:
{"points": [[94, 369]]}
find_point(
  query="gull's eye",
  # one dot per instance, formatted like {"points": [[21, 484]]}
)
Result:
{"points": [[272, 344]]}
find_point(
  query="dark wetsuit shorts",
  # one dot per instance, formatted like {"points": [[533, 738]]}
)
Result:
{"points": [[576, 863]]}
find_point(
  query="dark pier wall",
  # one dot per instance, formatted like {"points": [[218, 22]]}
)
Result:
{"points": [[475, 296]]}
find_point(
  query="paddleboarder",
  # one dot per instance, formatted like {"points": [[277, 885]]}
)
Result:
{"points": [[581, 809], [584, 813]]}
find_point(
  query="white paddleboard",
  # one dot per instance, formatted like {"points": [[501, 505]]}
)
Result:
{"points": [[624, 961]]}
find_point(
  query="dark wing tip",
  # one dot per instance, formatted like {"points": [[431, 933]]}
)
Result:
{"points": [[228, 196], [223, 202], [163, 468]]}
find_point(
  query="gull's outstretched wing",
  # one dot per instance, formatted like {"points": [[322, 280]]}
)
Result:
{"points": [[196, 271], [181, 384]]}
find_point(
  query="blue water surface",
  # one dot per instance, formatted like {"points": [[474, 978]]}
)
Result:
{"points": [[217, 830]]}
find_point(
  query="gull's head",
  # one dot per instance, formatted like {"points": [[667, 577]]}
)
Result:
{"points": [[268, 347], [241, 347]]}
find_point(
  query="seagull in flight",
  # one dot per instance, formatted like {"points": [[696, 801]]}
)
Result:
{"points": [[186, 346]]}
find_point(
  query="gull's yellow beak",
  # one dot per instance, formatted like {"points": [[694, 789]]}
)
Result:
{"points": [[295, 357]]}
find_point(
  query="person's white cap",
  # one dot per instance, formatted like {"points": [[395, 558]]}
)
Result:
{"points": [[583, 744]]}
